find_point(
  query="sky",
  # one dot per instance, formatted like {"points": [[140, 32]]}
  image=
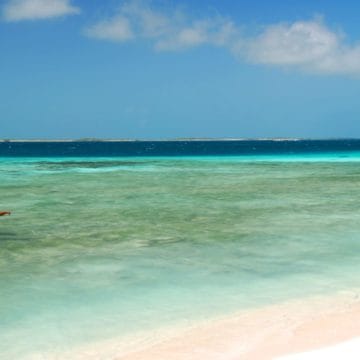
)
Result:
{"points": [[171, 69]]}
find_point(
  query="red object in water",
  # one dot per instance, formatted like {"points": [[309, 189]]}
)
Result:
{"points": [[2, 213]]}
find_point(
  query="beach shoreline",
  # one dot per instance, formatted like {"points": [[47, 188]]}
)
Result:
{"points": [[278, 331], [267, 333]]}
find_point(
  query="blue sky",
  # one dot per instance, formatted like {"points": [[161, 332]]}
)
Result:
{"points": [[167, 69]]}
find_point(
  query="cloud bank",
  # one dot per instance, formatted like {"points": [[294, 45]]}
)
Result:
{"points": [[19, 10], [309, 46]]}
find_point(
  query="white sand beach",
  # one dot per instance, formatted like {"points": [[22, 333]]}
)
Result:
{"points": [[268, 333], [348, 350]]}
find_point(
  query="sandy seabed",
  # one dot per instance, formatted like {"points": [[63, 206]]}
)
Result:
{"points": [[313, 328]]}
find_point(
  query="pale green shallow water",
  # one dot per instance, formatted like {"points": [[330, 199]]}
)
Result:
{"points": [[98, 248]]}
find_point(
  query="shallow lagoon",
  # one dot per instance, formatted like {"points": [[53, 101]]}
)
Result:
{"points": [[102, 247]]}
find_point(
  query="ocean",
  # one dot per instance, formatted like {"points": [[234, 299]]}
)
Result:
{"points": [[109, 239], [175, 148]]}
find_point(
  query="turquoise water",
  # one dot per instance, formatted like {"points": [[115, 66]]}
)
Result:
{"points": [[105, 247]]}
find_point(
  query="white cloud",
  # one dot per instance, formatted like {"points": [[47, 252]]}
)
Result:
{"points": [[307, 45], [167, 30], [18, 10], [298, 43]]}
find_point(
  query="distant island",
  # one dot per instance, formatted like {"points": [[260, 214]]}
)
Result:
{"points": [[155, 140]]}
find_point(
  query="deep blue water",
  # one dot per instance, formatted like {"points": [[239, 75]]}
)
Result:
{"points": [[176, 148]]}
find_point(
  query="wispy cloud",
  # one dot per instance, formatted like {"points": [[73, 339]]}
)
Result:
{"points": [[215, 31], [308, 45], [167, 30], [18, 10], [117, 29]]}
